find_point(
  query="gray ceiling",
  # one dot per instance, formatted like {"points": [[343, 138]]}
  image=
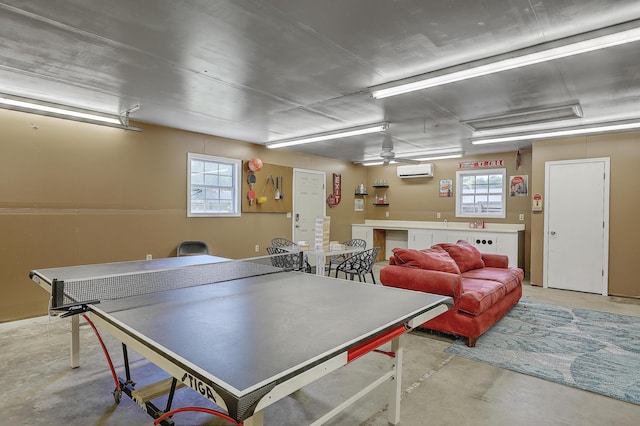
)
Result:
{"points": [[267, 70]]}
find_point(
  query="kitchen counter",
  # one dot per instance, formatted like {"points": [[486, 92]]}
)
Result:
{"points": [[415, 224]]}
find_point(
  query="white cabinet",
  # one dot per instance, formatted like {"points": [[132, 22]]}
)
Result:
{"points": [[485, 243], [420, 239], [513, 246], [364, 233], [454, 236], [509, 244], [439, 236]]}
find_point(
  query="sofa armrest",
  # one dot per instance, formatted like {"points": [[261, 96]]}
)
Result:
{"points": [[492, 260], [442, 283]]}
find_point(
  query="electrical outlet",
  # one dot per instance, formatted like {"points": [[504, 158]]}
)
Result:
{"points": [[521, 217], [386, 214], [438, 215], [149, 256], [257, 248]]}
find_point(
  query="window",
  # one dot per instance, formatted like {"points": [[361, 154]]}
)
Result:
{"points": [[213, 186], [481, 193]]}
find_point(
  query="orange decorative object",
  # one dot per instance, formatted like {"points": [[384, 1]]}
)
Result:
{"points": [[255, 164]]}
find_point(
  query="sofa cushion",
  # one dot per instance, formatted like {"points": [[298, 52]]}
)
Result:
{"points": [[467, 257], [422, 280], [495, 260], [508, 277], [479, 295], [434, 259]]}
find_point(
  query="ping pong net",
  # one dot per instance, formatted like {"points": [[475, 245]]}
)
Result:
{"points": [[73, 295]]}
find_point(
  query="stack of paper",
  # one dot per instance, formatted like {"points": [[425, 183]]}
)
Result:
{"points": [[335, 245]]}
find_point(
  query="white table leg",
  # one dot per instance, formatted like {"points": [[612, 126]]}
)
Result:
{"points": [[396, 382], [256, 420], [75, 341], [320, 259]]}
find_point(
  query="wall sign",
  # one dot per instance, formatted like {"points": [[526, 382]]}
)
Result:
{"points": [[480, 164], [446, 188], [334, 199], [519, 186], [536, 202]]}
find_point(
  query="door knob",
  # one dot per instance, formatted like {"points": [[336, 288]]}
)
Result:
{"points": [[553, 232]]}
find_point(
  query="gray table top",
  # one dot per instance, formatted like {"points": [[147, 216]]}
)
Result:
{"points": [[251, 332]]}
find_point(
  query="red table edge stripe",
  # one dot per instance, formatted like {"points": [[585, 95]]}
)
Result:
{"points": [[372, 344]]}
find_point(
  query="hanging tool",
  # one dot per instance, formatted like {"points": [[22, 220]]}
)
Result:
{"points": [[251, 179], [266, 184], [281, 187]]}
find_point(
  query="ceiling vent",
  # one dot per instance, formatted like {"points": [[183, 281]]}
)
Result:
{"points": [[526, 117]]}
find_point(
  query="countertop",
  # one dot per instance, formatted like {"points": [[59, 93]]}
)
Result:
{"points": [[458, 226]]}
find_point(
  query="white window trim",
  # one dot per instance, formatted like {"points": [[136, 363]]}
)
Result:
{"points": [[460, 173], [237, 170]]}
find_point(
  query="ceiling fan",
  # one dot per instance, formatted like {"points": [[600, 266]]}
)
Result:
{"points": [[388, 155]]}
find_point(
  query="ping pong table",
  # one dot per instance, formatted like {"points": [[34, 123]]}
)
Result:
{"points": [[241, 333]]}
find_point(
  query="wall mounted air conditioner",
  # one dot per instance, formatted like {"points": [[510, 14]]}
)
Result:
{"points": [[415, 171]]}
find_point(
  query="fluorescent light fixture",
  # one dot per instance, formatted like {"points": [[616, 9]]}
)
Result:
{"points": [[570, 131], [508, 63], [439, 157], [525, 117], [60, 111], [353, 131], [375, 163]]}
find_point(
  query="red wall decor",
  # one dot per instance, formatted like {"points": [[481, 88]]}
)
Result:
{"points": [[334, 199]]}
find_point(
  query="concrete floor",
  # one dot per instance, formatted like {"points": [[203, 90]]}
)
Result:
{"points": [[439, 389]]}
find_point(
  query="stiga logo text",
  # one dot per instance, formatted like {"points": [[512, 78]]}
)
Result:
{"points": [[198, 385]]}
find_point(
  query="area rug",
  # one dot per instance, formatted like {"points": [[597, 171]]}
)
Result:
{"points": [[590, 350]]}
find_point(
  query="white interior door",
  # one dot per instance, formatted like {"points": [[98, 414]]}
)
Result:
{"points": [[577, 225], [309, 197]]}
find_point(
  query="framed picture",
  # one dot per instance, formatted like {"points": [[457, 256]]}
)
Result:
{"points": [[446, 188], [519, 186]]}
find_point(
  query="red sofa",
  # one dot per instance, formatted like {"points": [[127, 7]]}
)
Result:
{"points": [[484, 288]]}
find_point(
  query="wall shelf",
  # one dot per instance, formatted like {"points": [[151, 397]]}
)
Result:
{"points": [[381, 196]]}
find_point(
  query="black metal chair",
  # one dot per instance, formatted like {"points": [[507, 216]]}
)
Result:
{"points": [[359, 264], [283, 242], [192, 248], [287, 260], [339, 258]]}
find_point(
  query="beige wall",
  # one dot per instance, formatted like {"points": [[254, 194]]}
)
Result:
{"points": [[417, 199], [74, 193], [624, 151]]}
